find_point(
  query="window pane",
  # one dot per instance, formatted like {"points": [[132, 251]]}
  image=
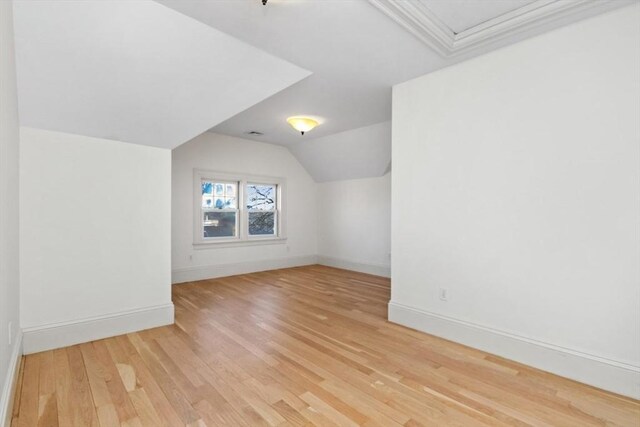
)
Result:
{"points": [[262, 223], [262, 197], [207, 201], [219, 224], [224, 203], [207, 187]]}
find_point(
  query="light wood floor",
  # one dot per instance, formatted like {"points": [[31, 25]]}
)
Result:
{"points": [[301, 346]]}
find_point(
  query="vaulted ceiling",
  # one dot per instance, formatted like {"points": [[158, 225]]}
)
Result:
{"points": [[161, 72], [135, 71]]}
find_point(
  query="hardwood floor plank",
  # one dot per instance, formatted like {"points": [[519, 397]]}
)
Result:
{"points": [[48, 411], [47, 402], [97, 375], [63, 387], [84, 412], [178, 401], [305, 346], [162, 405], [108, 416], [144, 408], [117, 392], [18, 393], [29, 399], [327, 410], [292, 415]]}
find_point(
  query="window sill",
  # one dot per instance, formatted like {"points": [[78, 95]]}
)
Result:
{"points": [[258, 241]]}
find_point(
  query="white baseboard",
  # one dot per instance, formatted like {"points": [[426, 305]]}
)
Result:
{"points": [[202, 272], [375, 269], [9, 386], [48, 337], [603, 373]]}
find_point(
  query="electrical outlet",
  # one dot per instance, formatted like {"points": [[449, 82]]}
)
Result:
{"points": [[10, 334], [444, 294]]}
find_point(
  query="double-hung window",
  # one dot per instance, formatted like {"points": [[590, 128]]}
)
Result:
{"points": [[237, 208]]}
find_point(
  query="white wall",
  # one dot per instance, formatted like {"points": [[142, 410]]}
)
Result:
{"points": [[354, 224], [222, 153], [9, 156], [517, 188], [94, 238]]}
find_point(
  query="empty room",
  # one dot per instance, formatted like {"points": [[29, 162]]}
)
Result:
{"points": [[319, 213]]}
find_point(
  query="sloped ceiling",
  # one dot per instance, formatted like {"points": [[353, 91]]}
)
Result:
{"points": [[135, 71], [161, 72], [357, 51], [357, 153]]}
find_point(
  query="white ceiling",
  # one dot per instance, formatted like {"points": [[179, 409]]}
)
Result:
{"points": [[355, 51], [460, 15], [356, 153], [135, 71], [356, 55], [141, 72]]}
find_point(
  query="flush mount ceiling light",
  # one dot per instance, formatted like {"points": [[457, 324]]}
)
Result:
{"points": [[302, 124]]}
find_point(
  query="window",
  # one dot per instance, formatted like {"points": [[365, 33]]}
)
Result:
{"points": [[237, 209], [261, 208], [219, 209]]}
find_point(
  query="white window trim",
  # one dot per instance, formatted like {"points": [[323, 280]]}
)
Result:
{"points": [[242, 237]]}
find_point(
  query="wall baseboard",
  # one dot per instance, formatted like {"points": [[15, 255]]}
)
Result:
{"points": [[10, 382], [606, 374], [48, 337], [203, 272], [375, 269]]}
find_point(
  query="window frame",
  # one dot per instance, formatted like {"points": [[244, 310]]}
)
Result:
{"points": [[242, 221]]}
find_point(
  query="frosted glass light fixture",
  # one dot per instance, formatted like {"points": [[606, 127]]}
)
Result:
{"points": [[302, 124]]}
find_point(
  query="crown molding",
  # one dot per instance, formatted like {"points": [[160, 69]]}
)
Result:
{"points": [[416, 18]]}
